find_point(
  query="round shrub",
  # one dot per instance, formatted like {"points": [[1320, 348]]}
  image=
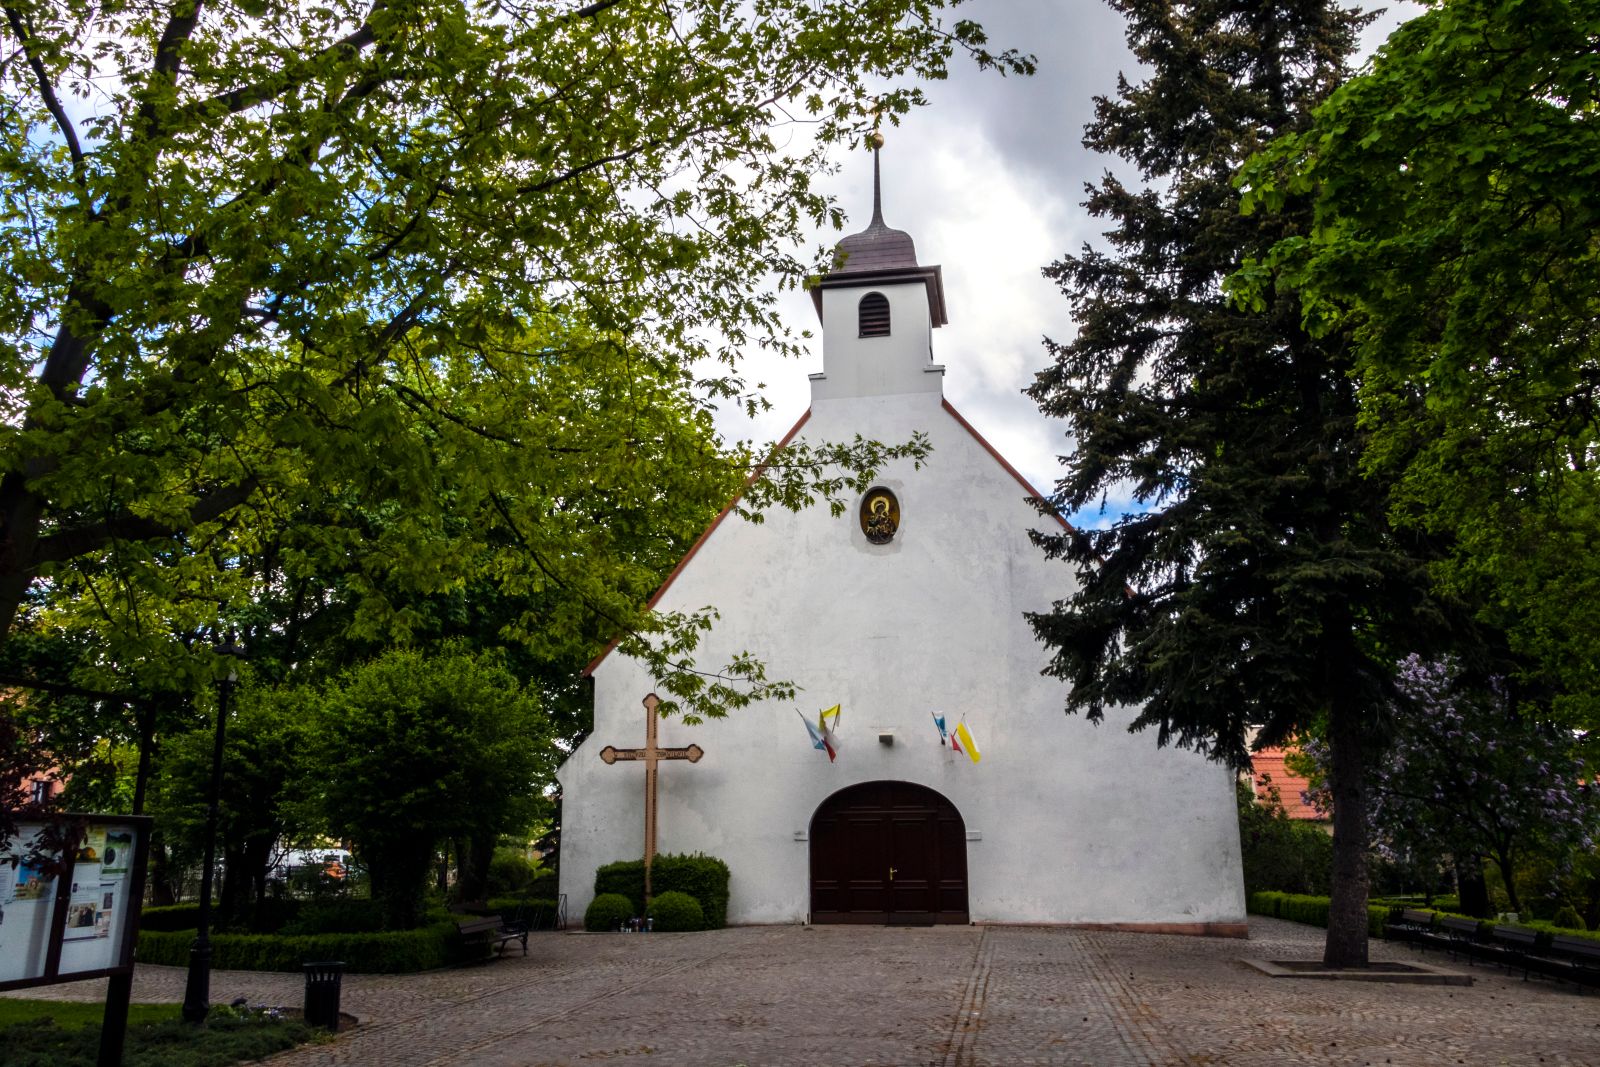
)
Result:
{"points": [[510, 873], [674, 911], [607, 912], [1568, 918]]}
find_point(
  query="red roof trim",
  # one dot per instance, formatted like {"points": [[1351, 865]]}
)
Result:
{"points": [[987, 447], [661, 590]]}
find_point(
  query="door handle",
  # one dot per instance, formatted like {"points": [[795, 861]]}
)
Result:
{"points": [[891, 874]]}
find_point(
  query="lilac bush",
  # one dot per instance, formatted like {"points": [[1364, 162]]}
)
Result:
{"points": [[1470, 775]]}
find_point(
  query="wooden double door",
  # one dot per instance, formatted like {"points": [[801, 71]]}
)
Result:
{"points": [[888, 853]]}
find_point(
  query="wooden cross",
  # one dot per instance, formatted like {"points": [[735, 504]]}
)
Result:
{"points": [[652, 754]]}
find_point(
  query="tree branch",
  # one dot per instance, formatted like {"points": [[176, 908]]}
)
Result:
{"points": [[180, 24], [594, 9], [248, 96], [48, 92], [79, 540]]}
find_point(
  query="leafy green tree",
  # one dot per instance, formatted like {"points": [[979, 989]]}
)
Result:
{"points": [[1470, 775], [1455, 241], [269, 766], [285, 238], [415, 749], [1278, 853], [1263, 584]]}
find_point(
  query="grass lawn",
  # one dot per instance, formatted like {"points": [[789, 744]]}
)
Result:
{"points": [[49, 1033]]}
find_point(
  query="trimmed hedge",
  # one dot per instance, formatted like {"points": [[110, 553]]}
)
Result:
{"points": [[608, 911], [351, 916], [700, 876], [1564, 931], [1313, 911], [674, 912], [389, 952]]}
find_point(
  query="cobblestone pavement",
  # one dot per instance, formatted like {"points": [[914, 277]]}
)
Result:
{"points": [[940, 997]]}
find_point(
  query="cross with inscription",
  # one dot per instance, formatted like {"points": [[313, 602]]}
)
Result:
{"points": [[652, 754]]}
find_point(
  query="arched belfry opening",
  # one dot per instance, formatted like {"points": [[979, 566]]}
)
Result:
{"points": [[873, 315], [888, 853]]}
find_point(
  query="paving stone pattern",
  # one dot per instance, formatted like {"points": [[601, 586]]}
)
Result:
{"points": [[939, 997]]}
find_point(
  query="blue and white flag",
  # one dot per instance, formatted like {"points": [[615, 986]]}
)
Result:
{"points": [[944, 735]]}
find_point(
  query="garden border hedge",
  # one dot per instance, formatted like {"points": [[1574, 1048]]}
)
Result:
{"points": [[389, 952], [1313, 911]]}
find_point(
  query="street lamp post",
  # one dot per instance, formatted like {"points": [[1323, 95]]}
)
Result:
{"points": [[197, 991]]}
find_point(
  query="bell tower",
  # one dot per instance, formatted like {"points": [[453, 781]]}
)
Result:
{"points": [[878, 310]]}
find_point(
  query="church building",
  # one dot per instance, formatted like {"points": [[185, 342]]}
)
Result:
{"points": [[906, 612]]}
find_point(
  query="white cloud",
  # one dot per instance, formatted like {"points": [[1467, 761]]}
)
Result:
{"points": [[988, 181]]}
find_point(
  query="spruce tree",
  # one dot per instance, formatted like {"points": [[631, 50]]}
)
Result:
{"points": [[1263, 586]]}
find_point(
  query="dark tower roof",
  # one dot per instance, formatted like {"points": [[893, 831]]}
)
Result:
{"points": [[877, 247], [879, 255]]}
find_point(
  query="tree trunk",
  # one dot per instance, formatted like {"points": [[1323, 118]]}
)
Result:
{"points": [[1508, 875], [472, 859], [1346, 943], [1471, 888], [161, 893], [230, 899]]}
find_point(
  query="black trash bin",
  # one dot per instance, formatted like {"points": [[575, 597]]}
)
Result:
{"points": [[322, 993]]}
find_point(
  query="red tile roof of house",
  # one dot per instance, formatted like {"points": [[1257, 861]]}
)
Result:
{"points": [[1271, 770]]}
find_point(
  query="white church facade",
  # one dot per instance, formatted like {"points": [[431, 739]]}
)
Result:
{"points": [[909, 605]]}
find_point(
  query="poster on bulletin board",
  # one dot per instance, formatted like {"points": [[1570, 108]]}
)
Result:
{"points": [[69, 898]]}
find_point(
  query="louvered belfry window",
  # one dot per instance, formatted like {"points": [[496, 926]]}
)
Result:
{"points": [[874, 315]]}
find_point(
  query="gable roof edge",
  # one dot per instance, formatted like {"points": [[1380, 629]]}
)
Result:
{"points": [[705, 535], [998, 458]]}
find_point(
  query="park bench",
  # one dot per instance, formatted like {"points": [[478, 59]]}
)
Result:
{"points": [[493, 929], [1462, 934], [1516, 946], [1577, 958], [1413, 925]]}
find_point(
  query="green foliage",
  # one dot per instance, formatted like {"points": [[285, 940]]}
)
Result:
{"points": [[230, 1036], [1555, 929], [419, 748], [337, 917], [1567, 918], [700, 876], [1278, 852], [538, 912], [327, 319], [71, 1014], [608, 911], [170, 917], [386, 952], [674, 911], [1260, 584], [1311, 910], [266, 792], [510, 873], [1455, 242]]}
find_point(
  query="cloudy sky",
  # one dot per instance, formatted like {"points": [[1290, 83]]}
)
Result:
{"points": [[988, 181]]}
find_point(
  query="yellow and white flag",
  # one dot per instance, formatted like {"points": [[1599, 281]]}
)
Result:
{"points": [[968, 745], [829, 727]]}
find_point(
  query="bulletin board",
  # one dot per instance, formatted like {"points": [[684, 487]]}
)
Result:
{"points": [[68, 915]]}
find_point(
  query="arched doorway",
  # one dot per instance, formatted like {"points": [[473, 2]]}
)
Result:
{"points": [[888, 852]]}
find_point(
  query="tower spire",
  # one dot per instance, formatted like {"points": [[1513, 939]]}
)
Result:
{"points": [[877, 182], [876, 140]]}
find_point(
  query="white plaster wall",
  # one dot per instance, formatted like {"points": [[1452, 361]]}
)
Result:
{"points": [[1078, 823], [855, 366]]}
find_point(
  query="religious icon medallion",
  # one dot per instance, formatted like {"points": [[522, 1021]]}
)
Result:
{"points": [[880, 515]]}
